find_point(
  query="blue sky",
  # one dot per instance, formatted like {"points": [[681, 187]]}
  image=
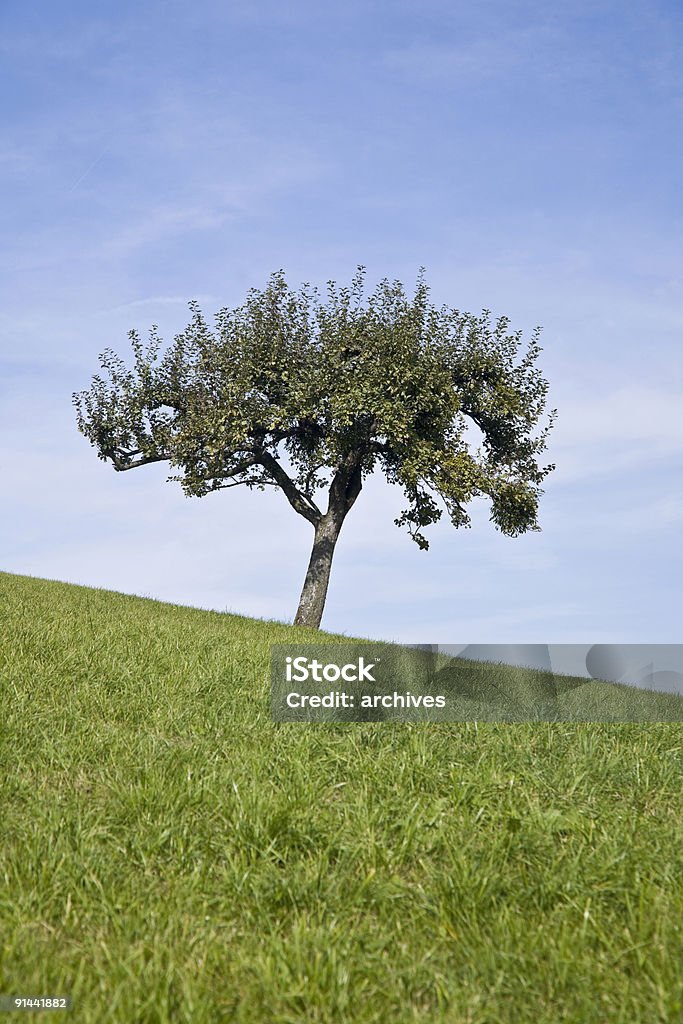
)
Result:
{"points": [[527, 155]]}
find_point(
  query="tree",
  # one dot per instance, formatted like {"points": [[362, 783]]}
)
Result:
{"points": [[306, 395]]}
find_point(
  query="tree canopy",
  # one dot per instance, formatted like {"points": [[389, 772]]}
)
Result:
{"points": [[311, 395]]}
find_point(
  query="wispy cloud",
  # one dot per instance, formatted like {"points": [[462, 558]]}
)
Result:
{"points": [[487, 57], [42, 44], [159, 300]]}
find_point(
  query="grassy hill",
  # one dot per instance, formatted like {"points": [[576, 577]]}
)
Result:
{"points": [[170, 854]]}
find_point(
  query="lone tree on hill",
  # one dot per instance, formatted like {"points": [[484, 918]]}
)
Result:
{"points": [[292, 392]]}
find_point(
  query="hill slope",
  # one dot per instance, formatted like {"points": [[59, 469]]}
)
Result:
{"points": [[171, 854]]}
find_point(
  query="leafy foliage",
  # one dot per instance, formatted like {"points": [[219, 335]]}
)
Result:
{"points": [[340, 388]]}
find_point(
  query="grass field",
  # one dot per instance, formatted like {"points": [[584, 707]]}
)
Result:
{"points": [[169, 854]]}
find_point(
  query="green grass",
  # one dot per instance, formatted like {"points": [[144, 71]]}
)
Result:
{"points": [[170, 854]]}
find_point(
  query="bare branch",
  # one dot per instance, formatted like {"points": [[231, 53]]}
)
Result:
{"points": [[300, 502], [243, 483], [121, 465]]}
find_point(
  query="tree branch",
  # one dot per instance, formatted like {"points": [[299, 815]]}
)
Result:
{"points": [[299, 501], [121, 466], [346, 484], [243, 483], [353, 487]]}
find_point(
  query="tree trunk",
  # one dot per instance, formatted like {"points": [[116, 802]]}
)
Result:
{"points": [[312, 601]]}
